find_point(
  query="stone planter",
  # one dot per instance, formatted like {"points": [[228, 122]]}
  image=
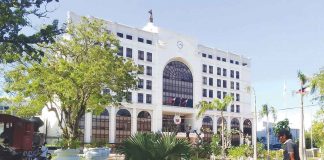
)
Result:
{"points": [[67, 154], [96, 153]]}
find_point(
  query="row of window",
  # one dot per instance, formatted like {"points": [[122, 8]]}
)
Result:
{"points": [[141, 84], [148, 70], [237, 108], [219, 94], [130, 37], [140, 54], [219, 83], [220, 71], [222, 59], [140, 98]]}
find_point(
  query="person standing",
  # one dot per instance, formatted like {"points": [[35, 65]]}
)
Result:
{"points": [[290, 148]]}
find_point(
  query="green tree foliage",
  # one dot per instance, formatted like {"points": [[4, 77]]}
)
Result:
{"points": [[216, 104], [242, 151], [284, 124], [72, 74], [149, 146], [265, 112], [215, 145], [318, 129], [15, 16], [317, 84]]}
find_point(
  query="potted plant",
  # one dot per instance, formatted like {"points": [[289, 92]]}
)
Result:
{"points": [[96, 150], [69, 149]]}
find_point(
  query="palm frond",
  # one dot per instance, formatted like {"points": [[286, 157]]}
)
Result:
{"points": [[264, 111], [273, 112], [302, 78]]}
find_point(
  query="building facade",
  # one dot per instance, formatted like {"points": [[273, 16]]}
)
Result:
{"points": [[178, 73]]}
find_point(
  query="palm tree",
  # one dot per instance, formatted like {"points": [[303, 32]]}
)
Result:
{"points": [[265, 111], [303, 80], [216, 104], [148, 146]]}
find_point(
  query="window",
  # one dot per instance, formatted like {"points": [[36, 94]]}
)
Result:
{"points": [[210, 56], [129, 37], [232, 85], [204, 68], [203, 54], [139, 39], [237, 75], [237, 63], [177, 85], [120, 51], [148, 84], [211, 94], [237, 97], [232, 95], [224, 59], [224, 94], [148, 70], [211, 69], [204, 92], [140, 98], [244, 64], [218, 58], [232, 73], [129, 52], [224, 84], [238, 108], [219, 71], [120, 35], [224, 72], [237, 86], [231, 61], [211, 81], [140, 55], [232, 108], [148, 98], [219, 94], [129, 97], [141, 69], [140, 83], [219, 83], [148, 41], [149, 56], [205, 80]]}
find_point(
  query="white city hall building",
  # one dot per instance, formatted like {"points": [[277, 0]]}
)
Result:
{"points": [[178, 74]]}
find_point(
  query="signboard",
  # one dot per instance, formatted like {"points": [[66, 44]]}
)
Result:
{"points": [[177, 119]]}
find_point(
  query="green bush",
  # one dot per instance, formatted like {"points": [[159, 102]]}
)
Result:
{"points": [[240, 151]]}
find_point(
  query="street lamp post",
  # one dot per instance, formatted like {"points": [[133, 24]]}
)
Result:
{"points": [[255, 126]]}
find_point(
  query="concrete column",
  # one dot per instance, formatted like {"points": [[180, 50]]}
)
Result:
{"points": [[112, 124], [228, 123], [215, 124], [157, 119], [134, 121], [87, 127], [241, 128]]}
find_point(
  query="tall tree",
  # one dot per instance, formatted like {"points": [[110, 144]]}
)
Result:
{"points": [[16, 16], [265, 112], [216, 104], [284, 124], [317, 84], [302, 91], [72, 74]]}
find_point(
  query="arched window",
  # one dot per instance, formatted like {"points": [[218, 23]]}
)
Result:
{"points": [[177, 85], [219, 124], [100, 127], [207, 127], [144, 122], [123, 125], [247, 130], [235, 125]]}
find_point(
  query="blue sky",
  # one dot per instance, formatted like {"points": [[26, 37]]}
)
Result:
{"points": [[281, 37]]}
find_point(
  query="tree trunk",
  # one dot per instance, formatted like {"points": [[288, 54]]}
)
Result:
{"points": [[223, 140]]}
